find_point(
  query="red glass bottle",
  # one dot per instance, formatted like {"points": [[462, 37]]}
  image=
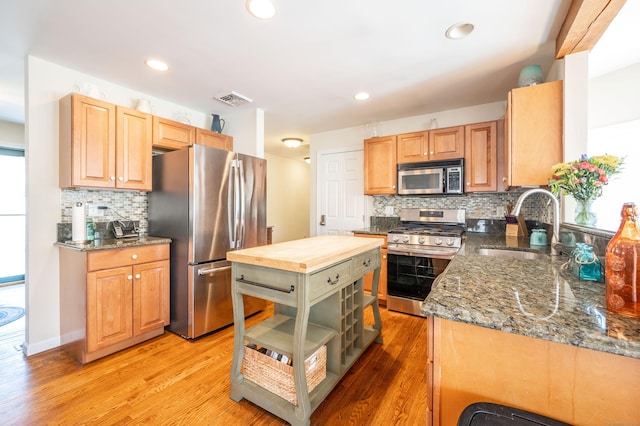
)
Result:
{"points": [[622, 266]]}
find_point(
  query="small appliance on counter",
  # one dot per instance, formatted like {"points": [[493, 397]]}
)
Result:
{"points": [[124, 228]]}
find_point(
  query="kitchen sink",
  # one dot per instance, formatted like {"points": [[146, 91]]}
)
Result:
{"points": [[513, 254]]}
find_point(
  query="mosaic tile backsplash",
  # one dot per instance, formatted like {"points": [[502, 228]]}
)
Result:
{"points": [[129, 205], [477, 205]]}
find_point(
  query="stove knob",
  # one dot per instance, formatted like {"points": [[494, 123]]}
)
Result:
{"points": [[438, 241], [395, 238], [405, 239], [421, 240], [450, 242]]}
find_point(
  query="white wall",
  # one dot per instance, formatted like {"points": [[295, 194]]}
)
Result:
{"points": [[614, 97], [11, 135], [288, 198], [46, 83], [353, 137]]}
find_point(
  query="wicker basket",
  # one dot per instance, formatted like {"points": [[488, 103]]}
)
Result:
{"points": [[277, 377]]}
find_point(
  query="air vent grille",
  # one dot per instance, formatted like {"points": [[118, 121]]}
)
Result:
{"points": [[233, 99]]}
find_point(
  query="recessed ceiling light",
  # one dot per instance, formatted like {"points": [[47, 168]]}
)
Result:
{"points": [[458, 31], [362, 96], [262, 9], [156, 64]]}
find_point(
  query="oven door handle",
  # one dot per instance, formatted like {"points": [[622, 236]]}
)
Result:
{"points": [[434, 255]]}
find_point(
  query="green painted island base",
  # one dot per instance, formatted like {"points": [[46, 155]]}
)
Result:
{"points": [[314, 308]]}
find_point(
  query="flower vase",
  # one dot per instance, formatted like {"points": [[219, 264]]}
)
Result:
{"points": [[583, 214]]}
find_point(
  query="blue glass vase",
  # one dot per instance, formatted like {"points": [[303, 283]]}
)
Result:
{"points": [[584, 263]]}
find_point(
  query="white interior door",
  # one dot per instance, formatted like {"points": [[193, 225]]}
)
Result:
{"points": [[340, 193]]}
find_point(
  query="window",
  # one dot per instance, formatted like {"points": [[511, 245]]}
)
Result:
{"points": [[12, 215]]}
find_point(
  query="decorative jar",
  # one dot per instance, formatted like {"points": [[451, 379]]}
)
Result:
{"points": [[585, 264]]}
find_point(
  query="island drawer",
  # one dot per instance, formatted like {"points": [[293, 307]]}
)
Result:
{"points": [[366, 262], [329, 279], [271, 284]]}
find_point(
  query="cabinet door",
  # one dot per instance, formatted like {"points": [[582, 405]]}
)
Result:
{"points": [[109, 307], [534, 133], [133, 149], [214, 140], [88, 137], [172, 135], [150, 296], [413, 147], [446, 143], [480, 159], [380, 166]]}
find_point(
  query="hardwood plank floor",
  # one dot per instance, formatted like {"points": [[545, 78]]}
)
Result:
{"points": [[171, 381]]}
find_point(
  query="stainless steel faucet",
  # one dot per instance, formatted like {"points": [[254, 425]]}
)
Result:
{"points": [[556, 248]]}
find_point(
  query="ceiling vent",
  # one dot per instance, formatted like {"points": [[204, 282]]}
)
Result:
{"points": [[233, 99]]}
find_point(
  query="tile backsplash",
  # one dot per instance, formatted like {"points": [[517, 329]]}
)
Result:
{"points": [[129, 205], [477, 205]]}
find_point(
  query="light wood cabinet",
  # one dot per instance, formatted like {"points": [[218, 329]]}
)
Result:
{"points": [[446, 143], [103, 145], [382, 282], [214, 140], [380, 166], [438, 144], [576, 385], [113, 299], [534, 130], [480, 159], [172, 135]]}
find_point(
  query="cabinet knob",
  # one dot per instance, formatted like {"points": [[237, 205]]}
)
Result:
{"points": [[137, 276], [468, 183], [393, 187], [120, 179], [129, 277], [384, 257], [425, 154], [431, 152], [134, 256], [333, 282], [112, 178]]}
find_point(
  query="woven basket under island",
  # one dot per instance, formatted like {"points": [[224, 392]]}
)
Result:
{"points": [[317, 289]]}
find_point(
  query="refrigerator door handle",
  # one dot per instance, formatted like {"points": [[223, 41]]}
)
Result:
{"points": [[234, 208], [242, 206]]}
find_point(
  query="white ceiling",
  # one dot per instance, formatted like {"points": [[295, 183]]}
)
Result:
{"points": [[302, 67]]}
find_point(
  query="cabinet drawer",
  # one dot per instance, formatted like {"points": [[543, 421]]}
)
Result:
{"points": [[366, 262], [329, 279], [275, 285], [105, 259]]}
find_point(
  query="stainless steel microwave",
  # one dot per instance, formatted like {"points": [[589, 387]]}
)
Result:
{"points": [[431, 178]]}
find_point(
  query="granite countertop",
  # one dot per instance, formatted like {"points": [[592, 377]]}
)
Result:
{"points": [[113, 243], [373, 230], [535, 298]]}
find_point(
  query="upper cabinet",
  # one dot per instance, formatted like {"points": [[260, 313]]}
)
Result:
{"points": [[480, 159], [103, 145], [380, 165], [169, 135], [172, 135], [533, 131], [438, 144]]}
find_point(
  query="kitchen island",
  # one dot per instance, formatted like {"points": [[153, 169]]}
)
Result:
{"points": [[317, 288], [526, 333]]}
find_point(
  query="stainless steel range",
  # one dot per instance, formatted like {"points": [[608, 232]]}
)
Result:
{"points": [[418, 252]]}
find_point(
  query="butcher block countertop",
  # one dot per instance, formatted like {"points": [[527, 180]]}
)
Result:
{"points": [[306, 255]]}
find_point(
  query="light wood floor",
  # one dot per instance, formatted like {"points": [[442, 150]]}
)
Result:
{"points": [[169, 381]]}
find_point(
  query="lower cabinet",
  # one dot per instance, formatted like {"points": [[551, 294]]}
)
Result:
{"points": [[382, 282], [113, 299], [468, 364]]}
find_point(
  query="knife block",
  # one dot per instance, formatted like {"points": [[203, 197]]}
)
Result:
{"points": [[516, 226]]}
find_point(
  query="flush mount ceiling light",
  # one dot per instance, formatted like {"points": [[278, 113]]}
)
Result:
{"points": [[156, 64], [261, 9], [292, 142], [458, 31], [362, 96]]}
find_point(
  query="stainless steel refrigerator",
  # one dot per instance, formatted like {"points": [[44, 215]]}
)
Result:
{"points": [[208, 201]]}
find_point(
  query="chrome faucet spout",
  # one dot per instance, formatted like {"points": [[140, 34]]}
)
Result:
{"points": [[555, 239]]}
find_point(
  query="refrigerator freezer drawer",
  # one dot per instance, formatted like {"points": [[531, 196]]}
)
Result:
{"points": [[212, 305]]}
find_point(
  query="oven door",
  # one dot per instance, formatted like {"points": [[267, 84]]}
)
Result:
{"points": [[421, 181], [409, 280]]}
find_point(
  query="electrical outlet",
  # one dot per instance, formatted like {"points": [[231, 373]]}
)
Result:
{"points": [[500, 212], [95, 211], [388, 210]]}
